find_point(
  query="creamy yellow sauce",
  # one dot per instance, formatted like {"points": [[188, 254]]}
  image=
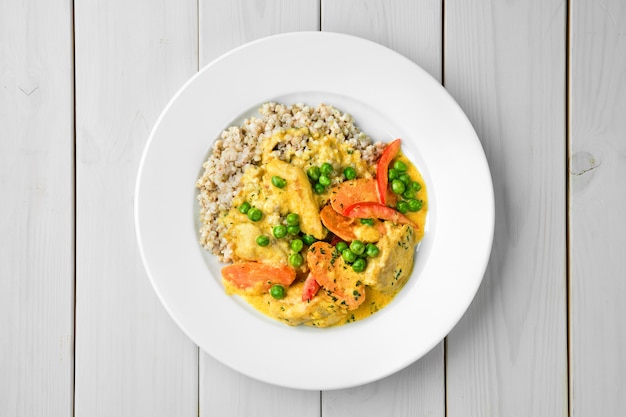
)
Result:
{"points": [[298, 197], [375, 301]]}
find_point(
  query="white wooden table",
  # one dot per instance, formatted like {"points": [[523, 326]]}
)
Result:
{"points": [[81, 84]]}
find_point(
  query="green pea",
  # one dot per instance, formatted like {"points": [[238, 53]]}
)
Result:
{"points": [[244, 207], [359, 265], [255, 214], [293, 230], [313, 173], [415, 186], [277, 291], [296, 259], [357, 247], [371, 250], [402, 207], [349, 173], [399, 166], [405, 178], [415, 205], [341, 246], [369, 222], [297, 245], [279, 181], [324, 180], [327, 169], [262, 240], [308, 240], [408, 194], [348, 255], [279, 231], [293, 219], [319, 188], [392, 174], [397, 186]]}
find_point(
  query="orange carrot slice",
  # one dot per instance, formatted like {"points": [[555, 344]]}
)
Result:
{"points": [[338, 224], [335, 276], [355, 191], [351, 192], [258, 275]]}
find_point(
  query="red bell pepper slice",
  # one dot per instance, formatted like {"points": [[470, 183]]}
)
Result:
{"points": [[311, 286], [382, 178], [368, 210]]}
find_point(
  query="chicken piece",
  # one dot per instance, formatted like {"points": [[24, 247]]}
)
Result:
{"points": [[321, 311], [296, 196], [388, 271], [243, 238]]}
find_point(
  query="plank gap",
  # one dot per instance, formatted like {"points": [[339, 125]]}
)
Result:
{"points": [[568, 332], [443, 83], [319, 24], [443, 42], [74, 205]]}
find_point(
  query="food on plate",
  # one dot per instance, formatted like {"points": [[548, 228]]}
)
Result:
{"points": [[316, 223]]}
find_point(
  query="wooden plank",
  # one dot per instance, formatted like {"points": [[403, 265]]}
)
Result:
{"points": [[505, 65], [413, 28], [418, 390], [597, 206], [225, 24], [224, 392], [131, 359], [37, 210]]}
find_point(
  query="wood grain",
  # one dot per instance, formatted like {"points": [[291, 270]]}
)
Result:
{"points": [[597, 170], [131, 359], [418, 390], [224, 392], [37, 209], [412, 28], [226, 24], [505, 65]]}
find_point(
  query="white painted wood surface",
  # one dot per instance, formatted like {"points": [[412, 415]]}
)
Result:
{"points": [[225, 25], [506, 64], [412, 28], [131, 359], [597, 170], [36, 209]]}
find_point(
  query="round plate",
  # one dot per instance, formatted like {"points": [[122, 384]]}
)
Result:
{"points": [[389, 97]]}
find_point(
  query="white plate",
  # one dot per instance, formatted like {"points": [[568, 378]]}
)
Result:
{"points": [[389, 97]]}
